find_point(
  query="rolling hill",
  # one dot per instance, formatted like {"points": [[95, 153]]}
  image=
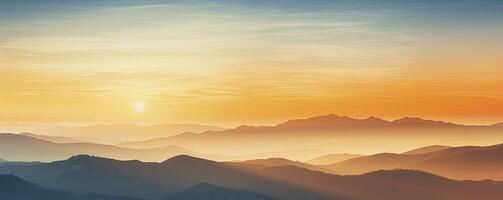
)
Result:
{"points": [[272, 162], [15, 147], [468, 162], [127, 132], [14, 188], [84, 174], [331, 159], [427, 149], [160, 180], [55, 139]]}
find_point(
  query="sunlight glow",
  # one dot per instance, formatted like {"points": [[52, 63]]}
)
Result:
{"points": [[139, 106]]}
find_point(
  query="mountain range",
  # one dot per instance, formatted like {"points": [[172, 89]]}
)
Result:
{"points": [[331, 158], [15, 188], [127, 132], [466, 162], [426, 149], [338, 133], [85, 174], [55, 139], [17, 147]]}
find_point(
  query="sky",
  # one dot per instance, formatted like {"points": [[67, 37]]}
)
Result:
{"points": [[249, 62]]}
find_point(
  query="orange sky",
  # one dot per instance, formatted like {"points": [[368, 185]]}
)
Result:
{"points": [[224, 65]]}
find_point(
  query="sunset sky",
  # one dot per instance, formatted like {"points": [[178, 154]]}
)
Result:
{"points": [[249, 62]]}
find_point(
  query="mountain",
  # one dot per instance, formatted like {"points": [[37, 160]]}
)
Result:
{"points": [[85, 174], [337, 123], [426, 149], [272, 162], [205, 191], [56, 139], [17, 147], [2, 160], [327, 132], [388, 185], [14, 188], [331, 158], [127, 132], [293, 154], [498, 125], [468, 162]]}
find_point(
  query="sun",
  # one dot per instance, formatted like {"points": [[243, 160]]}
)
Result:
{"points": [[139, 106]]}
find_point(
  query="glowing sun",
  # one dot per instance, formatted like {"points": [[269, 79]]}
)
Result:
{"points": [[139, 106]]}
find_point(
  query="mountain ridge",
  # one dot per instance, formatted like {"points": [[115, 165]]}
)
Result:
{"points": [[154, 180], [126, 132], [17, 147], [485, 162], [316, 127]]}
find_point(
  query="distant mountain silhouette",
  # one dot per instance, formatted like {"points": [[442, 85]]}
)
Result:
{"points": [[314, 128], [335, 122], [205, 191], [14, 188], [126, 132], [427, 149], [331, 158], [469, 162], [498, 125], [2, 160], [56, 139], [387, 185], [16, 147], [293, 154], [157, 180], [272, 162], [85, 174]]}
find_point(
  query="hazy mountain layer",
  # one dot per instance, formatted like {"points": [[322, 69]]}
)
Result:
{"points": [[126, 132], [15, 147], [331, 158], [468, 162], [14, 188], [331, 132], [158, 180]]}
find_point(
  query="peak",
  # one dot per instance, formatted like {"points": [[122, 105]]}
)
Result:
{"points": [[269, 161], [376, 119], [184, 159], [87, 158], [80, 157], [329, 116], [94, 160], [401, 173], [319, 119], [409, 119], [373, 118], [419, 121]]}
